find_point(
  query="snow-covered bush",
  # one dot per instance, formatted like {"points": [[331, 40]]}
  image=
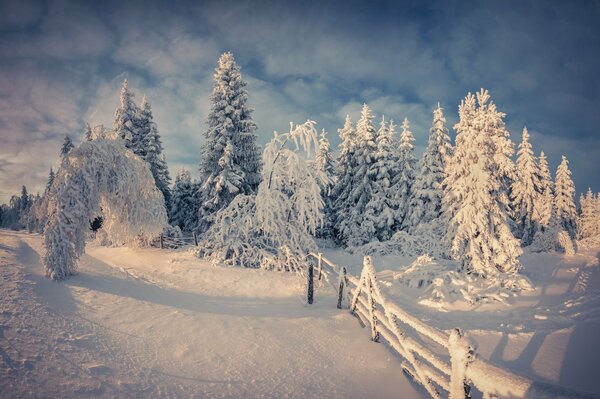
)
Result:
{"points": [[273, 228], [100, 174]]}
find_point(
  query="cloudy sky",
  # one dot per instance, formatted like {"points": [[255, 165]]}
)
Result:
{"points": [[62, 62]]}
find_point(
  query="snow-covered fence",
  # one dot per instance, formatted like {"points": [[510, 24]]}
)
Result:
{"points": [[174, 242], [445, 364]]}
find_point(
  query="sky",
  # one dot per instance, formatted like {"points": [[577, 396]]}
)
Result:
{"points": [[62, 64]]}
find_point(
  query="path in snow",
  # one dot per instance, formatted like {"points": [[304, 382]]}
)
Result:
{"points": [[152, 323]]}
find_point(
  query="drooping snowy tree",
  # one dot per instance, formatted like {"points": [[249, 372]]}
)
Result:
{"points": [[100, 174], [87, 133], [230, 125], [564, 198], [545, 200], [125, 124], [149, 148], [342, 203], [428, 191], [526, 190], [273, 228], [405, 179], [67, 146], [479, 234], [324, 163], [356, 230], [183, 209], [381, 209]]}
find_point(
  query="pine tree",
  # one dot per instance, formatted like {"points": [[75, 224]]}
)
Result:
{"points": [[526, 190], [479, 233], [87, 134], [545, 199], [51, 177], [149, 148], [564, 197], [587, 217], [382, 208], [183, 205], [405, 179], [428, 191], [325, 165], [344, 177], [355, 230], [66, 147], [126, 118], [230, 125]]}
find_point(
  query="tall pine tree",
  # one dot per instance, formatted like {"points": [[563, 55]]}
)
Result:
{"points": [[564, 197], [66, 147], [325, 164], [342, 204], [125, 124], [183, 208], [230, 126], [405, 179], [545, 201], [428, 191]]}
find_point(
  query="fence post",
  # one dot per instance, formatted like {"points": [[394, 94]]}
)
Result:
{"points": [[320, 264], [195, 238], [461, 354], [342, 283], [371, 302], [162, 245], [310, 286]]}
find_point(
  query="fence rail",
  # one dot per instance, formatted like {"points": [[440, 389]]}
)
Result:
{"points": [[444, 363], [173, 242]]}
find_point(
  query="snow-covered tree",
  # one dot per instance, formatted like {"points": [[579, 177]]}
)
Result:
{"points": [[150, 149], [564, 198], [479, 234], [428, 191], [342, 203], [125, 124], [50, 181], [273, 228], [588, 218], [100, 174], [405, 179], [67, 146], [545, 199], [87, 134], [230, 126], [355, 230], [183, 209], [381, 209], [324, 163], [526, 190]]}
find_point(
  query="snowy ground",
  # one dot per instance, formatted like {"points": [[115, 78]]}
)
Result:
{"points": [[551, 333], [152, 323]]}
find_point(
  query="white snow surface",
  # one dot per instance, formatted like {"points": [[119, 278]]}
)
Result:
{"points": [[549, 334], [154, 323]]}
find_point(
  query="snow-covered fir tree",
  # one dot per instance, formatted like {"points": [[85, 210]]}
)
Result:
{"points": [[125, 124], [342, 203], [324, 163], [428, 191], [183, 208], [230, 126], [545, 200], [479, 234], [564, 198], [382, 207], [587, 219], [526, 190], [87, 133], [51, 177], [67, 146], [150, 149], [356, 230], [405, 178]]}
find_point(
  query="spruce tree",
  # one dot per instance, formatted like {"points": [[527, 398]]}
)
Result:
{"points": [[149, 148], [564, 197], [67, 146], [545, 200], [344, 179], [381, 209], [51, 177], [479, 234], [428, 191], [587, 217], [355, 230], [87, 134], [404, 181], [325, 164], [526, 190], [126, 118], [183, 205], [230, 126]]}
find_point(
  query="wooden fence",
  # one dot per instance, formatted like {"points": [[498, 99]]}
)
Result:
{"points": [[444, 363]]}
